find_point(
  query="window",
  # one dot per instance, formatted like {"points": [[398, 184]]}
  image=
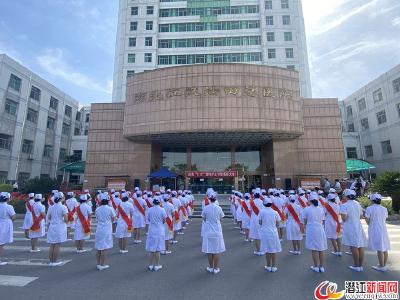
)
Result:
{"points": [[386, 147], [63, 153], [148, 57], [77, 155], [396, 85], [74, 179], [86, 132], [35, 93], [27, 147], [77, 131], [68, 111], [349, 111], [369, 151], [286, 20], [381, 116], [132, 42], [271, 53], [269, 20], [284, 4], [150, 10], [268, 4], [32, 115], [87, 118], [350, 127], [134, 11], [148, 41], [48, 151], [362, 105], [131, 58], [364, 124], [133, 26], [351, 152], [78, 116], [15, 82], [218, 58], [291, 67], [270, 36], [287, 36], [130, 73], [149, 25], [3, 177], [11, 107], [23, 177], [289, 52], [53, 103], [5, 141], [66, 129], [377, 95], [181, 60], [51, 123], [398, 108]]}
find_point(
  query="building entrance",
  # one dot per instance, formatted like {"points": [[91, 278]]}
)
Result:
{"points": [[220, 185]]}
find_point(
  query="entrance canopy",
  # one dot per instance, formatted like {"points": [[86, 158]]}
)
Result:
{"points": [[163, 173], [75, 167], [356, 165]]}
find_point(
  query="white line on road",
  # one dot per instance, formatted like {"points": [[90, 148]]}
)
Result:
{"points": [[17, 239], [20, 281], [31, 262], [44, 249]]}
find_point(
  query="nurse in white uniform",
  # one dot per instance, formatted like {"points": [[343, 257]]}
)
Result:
{"points": [[314, 217], [333, 224], [169, 224], [38, 228], [376, 216], [213, 240], [246, 215], [7, 216], [28, 214], [353, 232], [139, 205], [105, 216], [270, 244], [256, 206], [294, 225], [123, 231], [155, 242], [82, 224], [57, 218]]}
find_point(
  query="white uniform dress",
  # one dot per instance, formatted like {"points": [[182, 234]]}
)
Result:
{"points": [[138, 217], [254, 224], [177, 204], [38, 208], [71, 204], [377, 232], [155, 241], [122, 228], [239, 213], [104, 216], [315, 238], [268, 231], [280, 204], [245, 216], [353, 233], [79, 233], [6, 224], [293, 231], [169, 210], [28, 220], [57, 232], [330, 223], [213, 238]]}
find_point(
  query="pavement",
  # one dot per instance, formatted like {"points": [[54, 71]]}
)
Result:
{"points": [[183, 275]]}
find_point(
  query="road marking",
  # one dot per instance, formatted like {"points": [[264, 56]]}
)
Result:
{"points": [[31, 262], [17, 239], [44, 249], [19, 281], [23, 232], [390, 252]]}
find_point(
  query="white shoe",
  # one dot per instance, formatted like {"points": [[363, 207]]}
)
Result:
{"points": [[246, 240], [298, 252], [293, 252], [57, 264], [168, 252], [380, 269], [156, 268], [210, 270], [78, 251], [216, 271], [339, 254], [34, 250], [266, 268], [174, 242], [124, 251], [274, 269], [101, 268], [183, 227], [51, 264], [356, 269], [348, 253], [315, 269], [163, 253], [237, 227], [322, 270], [3, 263], [151, 268], [98, 267]]}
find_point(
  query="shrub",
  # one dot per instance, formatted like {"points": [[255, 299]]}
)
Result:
{"points": [[40, 186], [19, 205], [6, 188], [389, 184], [365, 202]]}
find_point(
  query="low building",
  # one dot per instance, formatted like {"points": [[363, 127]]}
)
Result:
{"points": [[224, 125]]}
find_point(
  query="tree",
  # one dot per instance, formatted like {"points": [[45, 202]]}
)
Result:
{"points": [[40, 186], [389, 184]]}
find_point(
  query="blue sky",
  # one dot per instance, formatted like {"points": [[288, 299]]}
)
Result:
{"points": [[71, 42]]}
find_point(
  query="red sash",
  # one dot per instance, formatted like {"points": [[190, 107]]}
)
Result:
{"points": [[254, 208], [125, 217], [71, 214], [36, 221], [321, 201], [98, 201], [139, 207], [50, 201], [275, 208], [148, 203], [85, 222], [113, 203], [246, 208], [176, 215], [169, 223], [303, 205], [295, 217], [330, 210], [206, 202], [183, 210], [29, 207]]}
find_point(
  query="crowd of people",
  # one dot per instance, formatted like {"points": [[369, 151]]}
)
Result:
{"points": [[263, 216]]}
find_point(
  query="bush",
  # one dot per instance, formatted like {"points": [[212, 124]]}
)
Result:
{"points": [[389, 184], [40, 186], [19, 205], [6, 188], [365, 202]]}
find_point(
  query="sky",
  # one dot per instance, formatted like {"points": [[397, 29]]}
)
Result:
{"points": [[71, 43]]}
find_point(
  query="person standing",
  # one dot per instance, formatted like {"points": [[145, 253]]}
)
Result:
{"points": [[71, 205], [246, 216], [57, 218], [28, 214], [378, 237], [139, 205], [125, 214], [333, 224], [155, 242], [169, 224], [38, 228], [294, 226], [256, 206], [213, 240], [177, 224], [15, 187], [82, 223], [7, 217], [314, 217], [353, 233]]}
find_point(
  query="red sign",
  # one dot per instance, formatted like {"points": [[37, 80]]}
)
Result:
{"points": [[196, 174]]}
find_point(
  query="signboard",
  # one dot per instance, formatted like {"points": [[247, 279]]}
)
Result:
{"points": [[116, 184], [196, 174], [309, 183]]}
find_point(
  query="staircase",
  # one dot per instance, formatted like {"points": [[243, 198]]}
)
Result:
{"points": [[226, 208]]}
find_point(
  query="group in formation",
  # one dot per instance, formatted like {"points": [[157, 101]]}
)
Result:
{"points": [[263, 217]]}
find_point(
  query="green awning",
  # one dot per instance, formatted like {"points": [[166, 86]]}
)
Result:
{"points": [[356, 165], [75, 167]]}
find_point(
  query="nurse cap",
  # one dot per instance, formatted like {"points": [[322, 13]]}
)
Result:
{"points": [[70, 193], [267, 200], [375, 197], [83, 197], [348, 192], [313, 196], [292, 197], [247, 195], [5, 195], [38, 196], [54, 191], [58, 195], [125, 195], [116, 194], [331, 197], [31, 195], [320, 192], [332, 190], [292, 192]]}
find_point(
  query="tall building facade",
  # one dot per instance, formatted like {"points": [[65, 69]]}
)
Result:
{"points": [[38, 124], [371, 122], [162, 33]]}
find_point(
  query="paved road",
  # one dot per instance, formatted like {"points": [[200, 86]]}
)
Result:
{"points": [[183, 276]]}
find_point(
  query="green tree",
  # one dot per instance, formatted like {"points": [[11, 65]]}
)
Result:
{"points": [[40, 186], [389, 184], [6, 188]]}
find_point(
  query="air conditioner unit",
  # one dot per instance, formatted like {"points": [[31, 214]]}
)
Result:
{"points": [[30, 156]]}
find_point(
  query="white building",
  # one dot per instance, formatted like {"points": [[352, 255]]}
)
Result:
{"points": [[160, 33], [37, 124], [371, 122]]}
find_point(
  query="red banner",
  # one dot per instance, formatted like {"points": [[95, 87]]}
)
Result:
{"points": [[196, 174]]}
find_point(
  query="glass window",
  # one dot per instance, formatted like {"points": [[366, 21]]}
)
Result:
{"points": [[131, 58], [288, 36], [362, 105], [63, 153], [134, 11], [271, 36], [269, 20], [23, 177], [289, 52], [381, 116], [3, 177], [253, 24], [87, 118], [398, 108], [53, 103], [284, 4], [149, 25], [369, 151], [77, 131], [271, 53], [175, 159], [32, 115], [396, 85], [148, 57], [5, 141], [350, 127], [200, 59], [51, 123], [377, 95], [248, 159], [150, 10], [386, 147], [48, 151], [27, 146], [77, 155], [78, 116], [349, 111], [148, 41], [351, 152], [66, 129], [11, 107], [211, 159], [286, 20], [364, 124], [15, 82], [133, 26], [130, 73], [181, 60], [35, 93], [291, 67], [268, 4], [68, 111], [132, 42], [218, 58]]}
